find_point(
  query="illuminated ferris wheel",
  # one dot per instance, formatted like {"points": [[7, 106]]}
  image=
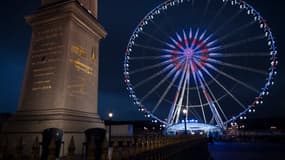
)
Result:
{"points": [[213, 59]]}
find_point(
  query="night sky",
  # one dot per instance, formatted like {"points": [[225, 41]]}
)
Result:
{"points": [[119, 19]]}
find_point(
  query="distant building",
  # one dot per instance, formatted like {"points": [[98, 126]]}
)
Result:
{"points": [[133, 128]]}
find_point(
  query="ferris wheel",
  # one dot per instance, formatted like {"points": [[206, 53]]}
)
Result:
{"points": [[205, 61]]}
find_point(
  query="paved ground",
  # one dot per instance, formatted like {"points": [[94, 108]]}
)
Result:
{"points": [[247, 151]]}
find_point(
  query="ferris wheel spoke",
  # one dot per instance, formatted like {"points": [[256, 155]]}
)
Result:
{"points": [[217, 15], [190, 35], [211, 93], [196, 115], [166, 91], [244, 41], [158, 49], [208, 38], [215, 100], [240, 54], [205, 43], [233, 66], [170, 23], [237, 30], [227, 22], [194, 41], [167, 68], [173, 108], [179, 105], [188, 76], [186, 42], [199, 50], [199, 94], [159, 29], [223, 87], [212, 120], [173, 52], [151, 57], [212, 49], [178, 111], [211, 103], [213, 42], [202, 35], [193, 2], [177, 44], [155, 65], [206, 104], [158, 40], [201, 40], [158, 84], [232, 78], [179, 38], [206, 10]]}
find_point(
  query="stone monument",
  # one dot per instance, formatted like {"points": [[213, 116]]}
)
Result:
{"points": [[60, 87]]}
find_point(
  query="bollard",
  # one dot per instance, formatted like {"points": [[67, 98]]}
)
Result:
{"points": [[49, 135]]}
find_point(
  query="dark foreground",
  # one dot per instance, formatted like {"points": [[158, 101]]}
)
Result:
{"points": [[247, 151]]}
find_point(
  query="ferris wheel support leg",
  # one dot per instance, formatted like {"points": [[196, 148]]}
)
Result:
{"points": [[178, 111], [173, 109], [213, 108]]}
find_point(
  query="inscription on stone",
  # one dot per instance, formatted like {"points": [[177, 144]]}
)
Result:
{"points": [[77, 87], [79, 51], [47, 39], [82, 61], [46, 51]]}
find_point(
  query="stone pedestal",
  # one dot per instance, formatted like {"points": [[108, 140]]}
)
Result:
{"points": [[60, 87]]}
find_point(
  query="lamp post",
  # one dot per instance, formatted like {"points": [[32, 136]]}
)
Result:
{"points": [[110, 115], [185, 118], [110, 149]]}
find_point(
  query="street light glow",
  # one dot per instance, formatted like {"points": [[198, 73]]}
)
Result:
{"points": [[110, 115], [184, 111]]}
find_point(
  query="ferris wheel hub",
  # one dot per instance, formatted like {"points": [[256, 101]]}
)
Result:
{"points": [[189, 53]]}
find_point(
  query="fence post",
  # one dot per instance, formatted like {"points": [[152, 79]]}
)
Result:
{"points": [[36, 149], [115, 155], [105, 148], [125, 149], [132, 148], [19, 149], [4, 149]]}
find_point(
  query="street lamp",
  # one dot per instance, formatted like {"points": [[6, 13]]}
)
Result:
{"points": [[110, 115], [110, 149], [185, 118]]}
